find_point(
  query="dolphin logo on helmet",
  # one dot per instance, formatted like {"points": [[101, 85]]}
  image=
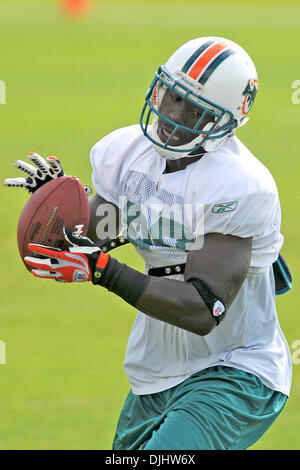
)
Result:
{"points": [[250, 94]]}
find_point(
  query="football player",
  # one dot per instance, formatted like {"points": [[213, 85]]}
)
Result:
{"points": [[208, 364]]}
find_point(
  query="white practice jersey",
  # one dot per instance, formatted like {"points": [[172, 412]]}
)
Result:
{"points": [[227, 191]]}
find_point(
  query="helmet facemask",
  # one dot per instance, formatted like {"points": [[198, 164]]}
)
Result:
{"points": [[204, 136]]}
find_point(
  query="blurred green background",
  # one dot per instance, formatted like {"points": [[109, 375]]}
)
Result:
{"points": [[68, 83]]}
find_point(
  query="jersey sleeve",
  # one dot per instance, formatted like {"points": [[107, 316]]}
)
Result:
{"points": [[112, 158], [254, 215], [106, 168], [247, 216]]}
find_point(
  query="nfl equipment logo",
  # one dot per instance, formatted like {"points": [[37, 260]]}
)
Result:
{"points": [[79, 276], [218, 309]]}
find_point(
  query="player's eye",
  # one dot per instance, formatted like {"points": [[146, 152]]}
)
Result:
{"points": [[174, 96]]}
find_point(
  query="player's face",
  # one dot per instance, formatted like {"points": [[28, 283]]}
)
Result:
{"points": [[182, 112]]}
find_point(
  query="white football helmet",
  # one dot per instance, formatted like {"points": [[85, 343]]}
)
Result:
{"points": [[214, 74]]}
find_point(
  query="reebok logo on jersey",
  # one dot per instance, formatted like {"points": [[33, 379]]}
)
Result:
{"points": [[225, 207]]}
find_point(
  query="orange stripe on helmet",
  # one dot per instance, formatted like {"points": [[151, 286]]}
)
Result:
{"points": [[205, 58]]}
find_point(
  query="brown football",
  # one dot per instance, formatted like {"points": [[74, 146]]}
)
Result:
{"points": [[59, 203]]}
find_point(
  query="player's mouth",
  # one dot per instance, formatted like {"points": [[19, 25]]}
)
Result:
{"points": [[168, 134], [164, 134], [179, 138]]}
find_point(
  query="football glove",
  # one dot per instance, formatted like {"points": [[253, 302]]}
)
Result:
{"points": [[37, 175], [41, 173], [83, 261]]}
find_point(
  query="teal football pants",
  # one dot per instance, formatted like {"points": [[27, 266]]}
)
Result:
{"points": [[217, 408]]}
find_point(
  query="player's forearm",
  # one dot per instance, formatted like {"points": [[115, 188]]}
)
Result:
{"points": [[168, 300], [177, 303]]}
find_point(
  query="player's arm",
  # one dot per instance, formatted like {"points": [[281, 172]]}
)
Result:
{"points": [[216, 272], [104, 220], [213, 277]]}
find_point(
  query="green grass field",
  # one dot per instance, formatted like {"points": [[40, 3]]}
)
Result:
{"points": [[68, 83]]}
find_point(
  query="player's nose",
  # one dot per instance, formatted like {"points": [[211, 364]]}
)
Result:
{"points": [[177, 112]]}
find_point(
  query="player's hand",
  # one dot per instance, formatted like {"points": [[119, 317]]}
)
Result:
{"points": [[41, 173], [37, 175], [83, 261]]}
